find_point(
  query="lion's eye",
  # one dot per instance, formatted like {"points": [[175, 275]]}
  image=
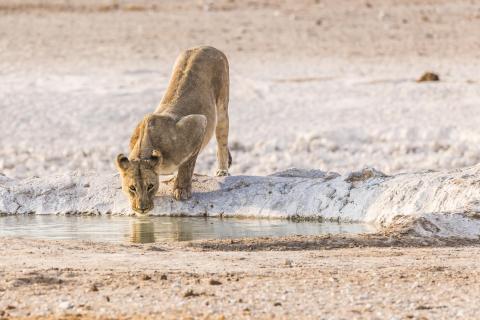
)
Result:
{"points": [[132, 188], [150, 186]]}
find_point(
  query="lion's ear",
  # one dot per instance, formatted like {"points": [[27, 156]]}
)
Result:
{"points": [[122, 162], [156, 158]]}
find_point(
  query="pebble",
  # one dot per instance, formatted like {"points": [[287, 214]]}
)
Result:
{"points": [[190, 293], [214, 282], [65, 305]]}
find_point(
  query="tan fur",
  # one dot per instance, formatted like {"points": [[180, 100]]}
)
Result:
{"points": [[194, 106]]}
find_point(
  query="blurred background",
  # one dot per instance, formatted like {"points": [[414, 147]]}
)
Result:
{"points": [[321, 84]]}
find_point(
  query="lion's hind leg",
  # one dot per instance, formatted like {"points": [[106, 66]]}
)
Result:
{"points": [[224, 157]]}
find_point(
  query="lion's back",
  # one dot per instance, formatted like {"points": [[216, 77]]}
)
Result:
{"points": [[197, 72]]}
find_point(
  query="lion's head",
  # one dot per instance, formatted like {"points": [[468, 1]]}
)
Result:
{"points": [[139, 181]]}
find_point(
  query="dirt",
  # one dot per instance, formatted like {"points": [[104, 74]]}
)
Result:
{"points": [[248, 279], [90, 34]]}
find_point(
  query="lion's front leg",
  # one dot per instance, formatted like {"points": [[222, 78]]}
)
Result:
{"points": [[182, 187]]}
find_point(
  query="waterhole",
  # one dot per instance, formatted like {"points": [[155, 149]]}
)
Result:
{"points": [[156, 229]]}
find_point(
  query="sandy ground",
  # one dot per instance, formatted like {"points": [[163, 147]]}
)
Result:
{"points": [[327, 85], [50, 279]]}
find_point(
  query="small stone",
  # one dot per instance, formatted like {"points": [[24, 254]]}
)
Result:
{"points": [[429, 76], [10, 307], [423, 307], [146, 277], [93, 288], [107, 298], [190, 293], [288, 262], [65, 305], [163, 277], [277, 304], [214, 282]]}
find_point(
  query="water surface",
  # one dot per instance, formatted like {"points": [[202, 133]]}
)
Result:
{"points": [[152, 229]]}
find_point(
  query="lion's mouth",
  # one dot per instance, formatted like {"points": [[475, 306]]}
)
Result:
{"points": [[142, 211]]}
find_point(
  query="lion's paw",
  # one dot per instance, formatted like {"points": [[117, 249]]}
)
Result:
{"points": [[222, 173], [182, 193]]}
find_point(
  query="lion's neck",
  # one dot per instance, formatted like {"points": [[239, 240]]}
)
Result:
{"points": [[143, 147]]}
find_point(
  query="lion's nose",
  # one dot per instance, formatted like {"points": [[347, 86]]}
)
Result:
{"points": [[144, 208]]}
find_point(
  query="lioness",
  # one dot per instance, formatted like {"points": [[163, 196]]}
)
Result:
{"points": [[194, 105]]}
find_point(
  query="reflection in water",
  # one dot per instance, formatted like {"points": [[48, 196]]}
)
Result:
{"points": [[181, 231], [142, 231], [176, 229], [155, 229]]}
